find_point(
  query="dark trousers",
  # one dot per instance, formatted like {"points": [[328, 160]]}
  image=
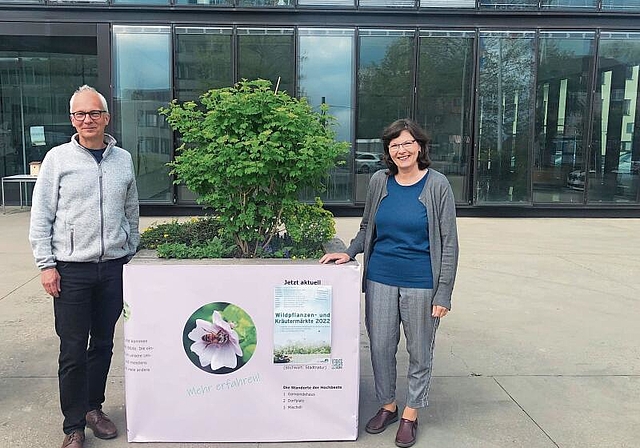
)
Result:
{"points": [[86, 313]]}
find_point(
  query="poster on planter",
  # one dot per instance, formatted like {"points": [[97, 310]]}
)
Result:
{"points": [[302, 324], [241, 352]]}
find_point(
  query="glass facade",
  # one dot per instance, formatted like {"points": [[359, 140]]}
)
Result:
{"points": [[444, 103], [614, 164], [505, 89], [37, 77], [562, 114], [267, 53], [141, 85], [385, 93], [325, 76], [542, 115]]}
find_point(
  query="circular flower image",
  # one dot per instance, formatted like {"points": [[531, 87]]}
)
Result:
{"points": [[219, 338]]}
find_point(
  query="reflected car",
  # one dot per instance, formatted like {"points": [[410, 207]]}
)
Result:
{"points": [[626, 169], [368, 162]]}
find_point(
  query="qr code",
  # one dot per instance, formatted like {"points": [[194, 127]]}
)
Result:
{"points": [[336, 363]]}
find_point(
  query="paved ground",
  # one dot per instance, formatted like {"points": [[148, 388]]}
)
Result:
{"points": [[541, 349]]}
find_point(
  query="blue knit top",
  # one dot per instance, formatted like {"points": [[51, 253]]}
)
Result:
{"points": [[400, 255]]}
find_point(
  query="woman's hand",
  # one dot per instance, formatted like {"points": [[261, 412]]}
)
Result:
{"points": [[338, 257], [438, 311]]}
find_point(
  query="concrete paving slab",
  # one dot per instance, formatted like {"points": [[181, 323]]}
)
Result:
{"points": [[28, 343], [578, 412], [540, 349], [18, 267]]}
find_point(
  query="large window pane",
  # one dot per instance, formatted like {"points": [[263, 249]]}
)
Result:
{"points": [[627, 5], [265, 2], [447, 3], [568, 4], [205, 2], [504, 102], [141, 2], [509, 4], [38, 75], [561, 115], [142, 84], [615, 159], [78, 1], [327, 2], [202, 62], [326, 76], [267, 53], [385, 92], [445, 73], [389, 3]]}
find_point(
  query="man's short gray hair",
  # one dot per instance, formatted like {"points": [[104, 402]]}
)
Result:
{"points": [[86, 88]]}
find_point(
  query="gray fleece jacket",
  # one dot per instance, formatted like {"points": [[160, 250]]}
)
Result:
{"points": [[84, 211], [437, 197]]}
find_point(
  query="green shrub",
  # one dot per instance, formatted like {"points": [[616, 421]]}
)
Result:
{"points": [[248, 153]]}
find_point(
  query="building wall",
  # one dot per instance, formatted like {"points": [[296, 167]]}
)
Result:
{"points": [[530, 105]]}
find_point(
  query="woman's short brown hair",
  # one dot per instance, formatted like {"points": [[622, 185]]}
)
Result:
{"points": [[394, 130]]}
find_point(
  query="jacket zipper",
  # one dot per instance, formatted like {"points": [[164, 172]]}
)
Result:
{"points": [[101, 212]]}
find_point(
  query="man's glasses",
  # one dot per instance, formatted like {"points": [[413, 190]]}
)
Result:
{"points": [[94, 114], [403, 145]]}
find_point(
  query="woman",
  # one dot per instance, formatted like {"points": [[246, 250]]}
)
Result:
{"points": [[409, 239]]}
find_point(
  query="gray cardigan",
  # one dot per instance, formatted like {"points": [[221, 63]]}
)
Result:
{"points": [[84, 211], [437, 197]]}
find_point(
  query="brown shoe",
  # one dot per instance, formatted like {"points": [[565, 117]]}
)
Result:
{"points": [[99, 423], [74, 439], [407, 432], [381, 420]]}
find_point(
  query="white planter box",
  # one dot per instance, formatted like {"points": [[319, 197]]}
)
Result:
{"points": [[172, 397]]}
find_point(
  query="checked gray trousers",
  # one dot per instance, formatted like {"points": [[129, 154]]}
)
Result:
{"points": [[385, 308]]}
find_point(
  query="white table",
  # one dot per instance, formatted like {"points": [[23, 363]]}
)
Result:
{"points": [[19, 179]]}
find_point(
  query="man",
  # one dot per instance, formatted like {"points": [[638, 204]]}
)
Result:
{"points": [[84, 228]]}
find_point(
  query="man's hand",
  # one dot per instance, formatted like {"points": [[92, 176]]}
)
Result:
{"points": [[50, 279]]}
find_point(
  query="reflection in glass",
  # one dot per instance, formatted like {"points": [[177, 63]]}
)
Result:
{"points": [[326, 76], [614, 163], [142, 84], [504, 97], [509, 4], [327, 2], [267, 53], [385, 91], [265, 2], [76, 1], [389, 3], [38, 75], [562, 113], [202, 62], [205, 2], [445, 72], [627, 5], [567, 4], [141, 2], [447, 3]]}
